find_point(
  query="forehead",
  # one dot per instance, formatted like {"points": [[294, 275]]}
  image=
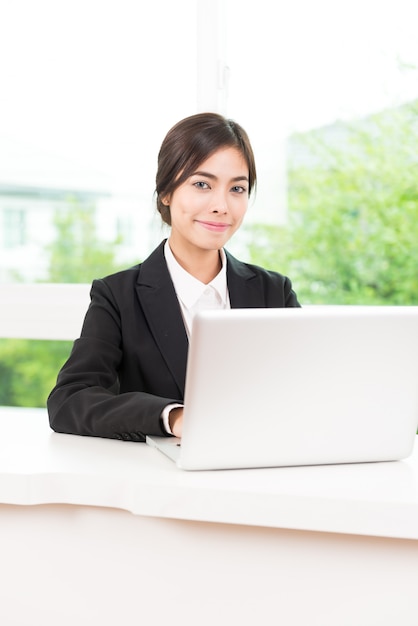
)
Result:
{"points": [[226, 161]]}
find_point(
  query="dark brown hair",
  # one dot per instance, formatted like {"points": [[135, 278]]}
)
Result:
{"points": [[190, 142]]}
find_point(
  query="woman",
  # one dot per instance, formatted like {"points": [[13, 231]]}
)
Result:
{"points": [[125, 376]]}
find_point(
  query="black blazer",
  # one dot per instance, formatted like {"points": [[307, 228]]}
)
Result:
{"points": [[130, 360]]}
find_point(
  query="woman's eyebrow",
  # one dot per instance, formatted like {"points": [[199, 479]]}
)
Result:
{"points": [[213, 177]]}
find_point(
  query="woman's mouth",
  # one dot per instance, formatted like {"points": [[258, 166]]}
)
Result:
{"points": [[215, 227]]}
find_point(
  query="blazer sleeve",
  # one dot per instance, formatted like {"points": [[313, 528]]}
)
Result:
{"points": [[101, 390], [290, 297]]}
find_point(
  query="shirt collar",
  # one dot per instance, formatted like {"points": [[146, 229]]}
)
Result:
{"points": [[188, 288]]}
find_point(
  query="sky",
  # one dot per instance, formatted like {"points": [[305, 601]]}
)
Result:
{"points": [[101, 81], [334, 58]]}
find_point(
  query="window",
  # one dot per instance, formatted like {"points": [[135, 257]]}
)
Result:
{"points": [[84, 113], [87, 119], [14, 227]]}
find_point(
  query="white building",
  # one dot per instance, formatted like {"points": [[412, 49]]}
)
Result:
{"points": [[34, 186]]}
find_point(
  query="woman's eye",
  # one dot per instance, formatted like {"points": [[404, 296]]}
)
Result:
{"points": [[201, 185], [239, 189]]}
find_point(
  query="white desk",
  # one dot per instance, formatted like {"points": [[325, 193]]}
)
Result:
{"points": [[115, 534]]}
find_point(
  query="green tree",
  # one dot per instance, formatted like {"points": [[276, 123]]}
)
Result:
{"points": [[28, 369], [76, 254], [353, 213]]}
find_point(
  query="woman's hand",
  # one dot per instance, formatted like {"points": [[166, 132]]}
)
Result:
{"points": [[175, 420]]}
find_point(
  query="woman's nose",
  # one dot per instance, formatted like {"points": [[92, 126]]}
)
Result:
{"points": [[220, 204]]}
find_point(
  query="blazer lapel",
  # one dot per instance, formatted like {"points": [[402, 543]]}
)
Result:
{"points": [[159, 303], [161, 308], [244, 285]]}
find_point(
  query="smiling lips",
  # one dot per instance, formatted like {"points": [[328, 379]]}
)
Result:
{"points": [[216, 227]]}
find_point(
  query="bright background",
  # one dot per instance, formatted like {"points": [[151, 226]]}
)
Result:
{"points": [[99, 82], [89, 88]]}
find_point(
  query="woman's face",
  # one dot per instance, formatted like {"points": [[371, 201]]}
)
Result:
{"points": [[210, 205]]}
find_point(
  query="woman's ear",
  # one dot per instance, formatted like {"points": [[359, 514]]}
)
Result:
{"points": [[166, 200]]}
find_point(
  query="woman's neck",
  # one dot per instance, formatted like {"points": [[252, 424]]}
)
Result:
{"points": [[202, 264]]}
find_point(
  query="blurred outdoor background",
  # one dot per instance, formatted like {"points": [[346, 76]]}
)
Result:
{"points": [[327, 90]]}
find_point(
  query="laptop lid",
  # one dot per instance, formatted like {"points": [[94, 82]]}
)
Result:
{"points": [[317, 385]]}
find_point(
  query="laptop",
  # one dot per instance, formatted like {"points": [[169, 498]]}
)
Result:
{"points": [[308, 386]]}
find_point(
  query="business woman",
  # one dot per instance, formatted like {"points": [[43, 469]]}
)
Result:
{"points": [[125, 376]]}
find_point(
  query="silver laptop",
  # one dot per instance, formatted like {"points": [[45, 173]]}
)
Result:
{"points": [[284, 387]]}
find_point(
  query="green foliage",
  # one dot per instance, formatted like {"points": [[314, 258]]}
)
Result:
{"points": [[28, 370], [77, 255], [353, 214]]}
